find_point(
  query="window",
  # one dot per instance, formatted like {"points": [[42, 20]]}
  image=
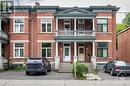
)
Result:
{"points": [[19, 50], [102, 49], [46, 25], [46, 50], [80, 24], [19, 25], [102, 25], [67, 23]]}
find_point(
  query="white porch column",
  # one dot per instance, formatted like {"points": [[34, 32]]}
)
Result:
{"points": [[75, 26], [93, 24], [94, 27], [56, 48], [57, 58], [75, 51], [0, 24], [56, 27], [1, 58], [93, 55]]}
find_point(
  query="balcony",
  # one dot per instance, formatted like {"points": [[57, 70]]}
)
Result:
{"points": [[75, 35], [3, 36]]}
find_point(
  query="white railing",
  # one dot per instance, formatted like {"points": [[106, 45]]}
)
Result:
{"points": [[75, 33], [3, 34]]}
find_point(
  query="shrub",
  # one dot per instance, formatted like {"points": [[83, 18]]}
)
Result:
{"points": [[81, 70]]}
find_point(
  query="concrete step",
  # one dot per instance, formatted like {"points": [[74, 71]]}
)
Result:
{"points": [[65, 67]]}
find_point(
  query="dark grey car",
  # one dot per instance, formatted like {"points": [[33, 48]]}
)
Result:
{"points": [[117, 67], [37, 65]]}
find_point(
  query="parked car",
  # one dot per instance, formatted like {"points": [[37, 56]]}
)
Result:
{"points": [[117, 68], [37, 65]]}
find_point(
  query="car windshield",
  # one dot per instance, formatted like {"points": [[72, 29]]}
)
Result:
{"points": [[35, 61], [120, 63]]}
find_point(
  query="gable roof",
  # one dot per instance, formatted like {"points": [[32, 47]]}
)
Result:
{"points": [[75, 11]]}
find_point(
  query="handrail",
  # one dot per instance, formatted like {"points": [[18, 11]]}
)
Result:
{"points": [[75, 33]]}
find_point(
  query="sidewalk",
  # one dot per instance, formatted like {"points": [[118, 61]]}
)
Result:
{"points": [[64, 83]]}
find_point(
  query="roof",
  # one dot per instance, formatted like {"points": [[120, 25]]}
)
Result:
{"points": [[123, 31]]}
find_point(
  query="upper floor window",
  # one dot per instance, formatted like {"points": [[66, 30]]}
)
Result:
{"points": [[18, 25], [46, 25], [81, 23], [102, 25], [19, 50], [67, 24], [102, 49]]}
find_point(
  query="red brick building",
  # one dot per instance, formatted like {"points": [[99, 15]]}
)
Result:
{"points": [[124, 45], [65, 34]]}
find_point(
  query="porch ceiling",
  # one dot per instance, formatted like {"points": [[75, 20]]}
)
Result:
{"points": [[78, 39]]}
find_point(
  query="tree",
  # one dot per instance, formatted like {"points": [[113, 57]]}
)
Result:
{"points": [[120, 27], [126, 20], [125, 23]]}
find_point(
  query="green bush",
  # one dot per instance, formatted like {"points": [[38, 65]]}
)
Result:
{"points": [[81, 70]]}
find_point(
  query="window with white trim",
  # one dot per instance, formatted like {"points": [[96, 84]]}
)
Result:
{"points": [[19, 50], [102, 25], [102, 49], [46, 50], [18, 25], [46, 25]]}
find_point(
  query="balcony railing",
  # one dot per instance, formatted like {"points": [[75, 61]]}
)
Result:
{"points": [[3, 34], [75, 33]]}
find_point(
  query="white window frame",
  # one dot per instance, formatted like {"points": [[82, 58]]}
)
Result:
{"points": [[67, 22], [19, 48], [43, 22], [46, 49], [14, 29]]}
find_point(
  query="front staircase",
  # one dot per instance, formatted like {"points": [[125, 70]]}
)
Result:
{"points": [[67, 67]]}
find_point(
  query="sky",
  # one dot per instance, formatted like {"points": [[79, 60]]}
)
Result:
{"points": [[123, 4]]}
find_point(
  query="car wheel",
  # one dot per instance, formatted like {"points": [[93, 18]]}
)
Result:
{"points": [[45, 73], [27, 73], [112, 73], [104, 70]]}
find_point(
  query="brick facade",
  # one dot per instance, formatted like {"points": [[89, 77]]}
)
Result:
{"points": [[123, 45], [33, 37]]}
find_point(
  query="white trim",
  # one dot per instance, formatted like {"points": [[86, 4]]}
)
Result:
{"points": [[18, 17], [101, 62], [14, 49], [74, 17], [103, 40], [19, 41], [103, 16], [19, 24], [64, 52], [45, 48], [46, 25], [18, 62], [45, 16], [45, 41]]}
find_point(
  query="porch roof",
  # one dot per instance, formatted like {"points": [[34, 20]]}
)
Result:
{"points": [[75, 12]]}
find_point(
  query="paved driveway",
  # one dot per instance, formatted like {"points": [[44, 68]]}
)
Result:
{"points": [[107, 76], [22, 76]]}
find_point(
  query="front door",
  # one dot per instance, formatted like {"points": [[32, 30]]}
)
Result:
{"points": [[81, 53], [66, 54]]}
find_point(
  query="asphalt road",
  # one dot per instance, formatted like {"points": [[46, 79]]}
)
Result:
{"points": [[64, 83]]}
